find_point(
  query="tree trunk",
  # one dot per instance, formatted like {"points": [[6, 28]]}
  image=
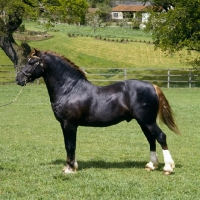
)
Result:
{"points": [[17, 54]]}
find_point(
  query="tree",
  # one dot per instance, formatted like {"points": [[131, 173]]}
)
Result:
{"points": [[110, 3], [175, 24], [93, 20], [75, 10], [12, 13]]}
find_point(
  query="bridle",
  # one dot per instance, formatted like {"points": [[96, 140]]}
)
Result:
{"points": [[35, 65], [26, 74]]}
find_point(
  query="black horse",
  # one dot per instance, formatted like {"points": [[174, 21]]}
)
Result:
{"points": [[77, 102]]}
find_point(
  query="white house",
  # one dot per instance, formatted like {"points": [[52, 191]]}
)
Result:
{"points": [[122, 11]]}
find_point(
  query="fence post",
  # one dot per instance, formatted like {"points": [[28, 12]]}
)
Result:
{"points": [[190, 79], [168, 78], [124, 74]]}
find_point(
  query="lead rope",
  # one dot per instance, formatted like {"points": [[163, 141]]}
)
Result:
{"points": [[14, 98]]}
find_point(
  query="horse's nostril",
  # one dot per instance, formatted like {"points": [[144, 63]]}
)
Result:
{"points": [[17, 80]]}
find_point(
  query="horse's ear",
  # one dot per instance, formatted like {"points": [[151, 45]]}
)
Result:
{"points": [[37, 52]]}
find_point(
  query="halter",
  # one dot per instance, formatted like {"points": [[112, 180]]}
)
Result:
{"points": [[34, 65], [26, 74]]}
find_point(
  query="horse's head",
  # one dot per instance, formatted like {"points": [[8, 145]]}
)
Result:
{"points": [[32, 70]]}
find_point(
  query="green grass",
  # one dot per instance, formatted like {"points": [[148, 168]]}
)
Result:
{"points": [[114, 32], [111, 160], [96, 55], [4, 59], [89, 52]]}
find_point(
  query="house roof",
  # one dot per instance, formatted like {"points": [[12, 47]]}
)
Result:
{"points": [[133, 8]]}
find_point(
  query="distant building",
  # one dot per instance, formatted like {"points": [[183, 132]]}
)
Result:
{"points": [[131, 11], [122, 11]]}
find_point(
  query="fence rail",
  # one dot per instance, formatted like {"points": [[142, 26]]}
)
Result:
{"points": [[185, 77]]}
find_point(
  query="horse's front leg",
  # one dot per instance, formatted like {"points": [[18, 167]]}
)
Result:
{"points": [[69, 133]]}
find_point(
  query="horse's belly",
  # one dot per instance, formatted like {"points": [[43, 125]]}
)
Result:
{"points": [[105, 120], [100, 123]]}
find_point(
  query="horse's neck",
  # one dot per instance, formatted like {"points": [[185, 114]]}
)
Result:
{"points": [[59, 85]]}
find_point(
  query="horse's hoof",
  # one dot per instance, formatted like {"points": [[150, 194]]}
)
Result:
{"points": [[148, 169], [150, 166], [168, 168], [68, 170], [167, 173]]}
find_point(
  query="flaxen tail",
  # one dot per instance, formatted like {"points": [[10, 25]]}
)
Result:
{"points": [[165, 112]]}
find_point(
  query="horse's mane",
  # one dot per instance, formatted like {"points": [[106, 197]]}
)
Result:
{"points": [[67, 61]]}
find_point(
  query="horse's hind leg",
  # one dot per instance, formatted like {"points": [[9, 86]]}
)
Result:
{"points": [[157, 133], [153, 163]]}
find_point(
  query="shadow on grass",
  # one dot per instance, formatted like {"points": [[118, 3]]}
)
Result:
{"points": [[108, 165]]}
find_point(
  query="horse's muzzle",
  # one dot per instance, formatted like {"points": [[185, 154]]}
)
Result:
{"points": [[21, 80]]}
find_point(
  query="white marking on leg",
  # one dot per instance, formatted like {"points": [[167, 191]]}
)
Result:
{"points": [[153, 164], [67, 169], [169, 163], [153, 157]]}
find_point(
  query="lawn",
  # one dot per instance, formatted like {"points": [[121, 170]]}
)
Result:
{"points": [[89, 52], [99, 56], [111, 160]]}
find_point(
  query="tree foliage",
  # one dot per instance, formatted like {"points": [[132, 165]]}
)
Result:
{"points": [[75, 10], [11, 17], [95, 3], [93, 20], [175, 24], [12, 13]]}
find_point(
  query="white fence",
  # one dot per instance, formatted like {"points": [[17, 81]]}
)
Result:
{"points": [[163, 77], [102, 76]]}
